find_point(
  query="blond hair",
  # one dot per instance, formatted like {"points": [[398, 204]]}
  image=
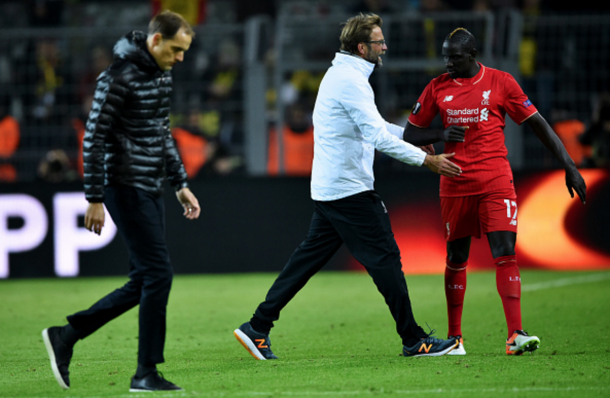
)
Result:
{"points": [[357, 30]]}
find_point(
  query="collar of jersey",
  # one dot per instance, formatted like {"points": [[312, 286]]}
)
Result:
{"points": [[471, 81], [354, 61]]}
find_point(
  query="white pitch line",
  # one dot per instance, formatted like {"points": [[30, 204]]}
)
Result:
{"points": [[565, 282], [380, 391], [502, 390]]}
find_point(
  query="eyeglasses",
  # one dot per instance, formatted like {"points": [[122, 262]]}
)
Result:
{"points": [[380, 42]]}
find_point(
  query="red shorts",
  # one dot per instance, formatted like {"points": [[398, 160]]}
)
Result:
{"points": [[489, 212]]}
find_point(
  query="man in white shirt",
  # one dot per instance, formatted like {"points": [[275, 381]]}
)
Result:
{"points": [[347, 130]]}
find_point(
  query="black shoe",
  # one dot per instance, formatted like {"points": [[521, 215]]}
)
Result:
{"points": [[430, 347], [257, 344], [60, 355], [153, 381]]}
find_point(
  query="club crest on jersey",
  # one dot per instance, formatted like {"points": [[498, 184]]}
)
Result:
{"points": [[448, 98], [527, 103], [416, 108], [486, 97]]}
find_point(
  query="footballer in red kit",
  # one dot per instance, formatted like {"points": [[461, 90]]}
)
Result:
{"points": [[472, 101], [481, 104]]}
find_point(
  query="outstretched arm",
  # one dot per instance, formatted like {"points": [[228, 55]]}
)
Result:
{"points": [[547, 136], [421, 137], [441, 164]]}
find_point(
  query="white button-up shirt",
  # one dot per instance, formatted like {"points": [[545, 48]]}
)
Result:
{"points": [[347, 130]]}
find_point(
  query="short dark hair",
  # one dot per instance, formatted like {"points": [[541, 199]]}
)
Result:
{"points": [[168, 23], [358, 30], [462, 37]]}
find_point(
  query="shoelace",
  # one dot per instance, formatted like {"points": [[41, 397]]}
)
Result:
{"points": [[432, 331], [265, 336], [430, 338], [162, 379]]}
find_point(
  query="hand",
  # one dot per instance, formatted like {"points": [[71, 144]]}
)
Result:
{"points": [[94, 217], [574, 181], [189, 202], [441, 164], [429, 149], [454, 133]]}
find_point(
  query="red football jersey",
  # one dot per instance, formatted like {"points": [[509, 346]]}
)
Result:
{"points": [[481, 103]]}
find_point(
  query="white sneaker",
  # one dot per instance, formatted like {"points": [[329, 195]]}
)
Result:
{"points": [[459, 350], [520, 342]]}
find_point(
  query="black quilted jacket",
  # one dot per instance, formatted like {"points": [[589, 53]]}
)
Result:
{"points": [[127, 137]]}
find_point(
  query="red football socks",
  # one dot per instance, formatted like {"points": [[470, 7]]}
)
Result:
{"points": [[455, 289], [508, 282]]}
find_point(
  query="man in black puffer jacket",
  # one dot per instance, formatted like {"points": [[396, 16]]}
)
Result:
{"points": [[128, 152]]}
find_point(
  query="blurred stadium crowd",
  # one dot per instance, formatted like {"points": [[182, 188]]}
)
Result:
{"points": [[51, 52]]}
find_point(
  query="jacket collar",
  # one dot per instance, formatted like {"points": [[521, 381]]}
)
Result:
{"points": [[360, 64], [132, 47]]}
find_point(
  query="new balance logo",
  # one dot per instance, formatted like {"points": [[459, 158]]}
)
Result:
{"points": [[425, 348], [261, 343], [448, 98]]}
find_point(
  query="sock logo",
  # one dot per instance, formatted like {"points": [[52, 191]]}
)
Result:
{"points": [[514, 279], [456, 287]]}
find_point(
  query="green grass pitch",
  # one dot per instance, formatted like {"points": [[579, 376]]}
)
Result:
{"points": [[335, 339]]}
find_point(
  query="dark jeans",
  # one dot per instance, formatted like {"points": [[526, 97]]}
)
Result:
{"points": [[140, 219], [361, 222]]}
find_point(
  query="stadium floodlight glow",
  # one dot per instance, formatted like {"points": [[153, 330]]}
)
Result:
{"points": [[70, 238], [29, 236], [544, 237]]}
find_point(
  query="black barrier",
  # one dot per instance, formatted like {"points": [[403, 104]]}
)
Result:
{"points": [[246, 225], [254, 224]]}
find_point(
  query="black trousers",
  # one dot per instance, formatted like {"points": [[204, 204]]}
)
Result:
{"points": [[140, 219], [361, 222]]}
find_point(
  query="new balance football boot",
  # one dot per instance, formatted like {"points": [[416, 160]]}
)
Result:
{"points": [[430, 347], [257, 344], [459, 350], [521, 342]]}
